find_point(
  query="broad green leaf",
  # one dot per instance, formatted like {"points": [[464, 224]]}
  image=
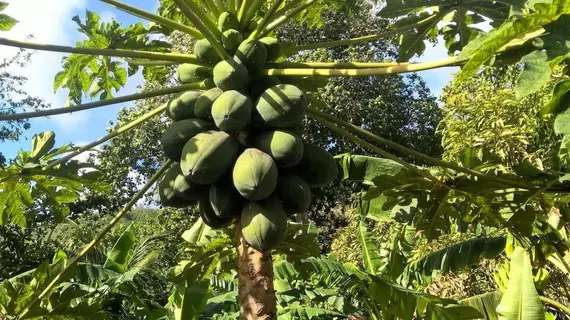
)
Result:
{"points": [[119, 256], [373, 171], [405, 303], [190, 301], [370, 252], [486, 304], [459, 256], [560, 100], [198, 233], [535, 74], [42, 143], [521, 300], [562, 123], [305, 312]]}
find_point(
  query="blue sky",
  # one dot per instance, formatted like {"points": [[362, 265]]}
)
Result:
{"points": [[50, 22]]}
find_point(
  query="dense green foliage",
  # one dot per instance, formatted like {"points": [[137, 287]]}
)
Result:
{"points": [[495, 204]]}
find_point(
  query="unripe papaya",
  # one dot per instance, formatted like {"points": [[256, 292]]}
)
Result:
{"points": [[205, 52], [259, 85], [294, 193], [255, 174], [190, 73], [175, 191], [228, 20], [230, 74], [225, 199], [182, 105], [203, 109], [273, 48], [252, 54], [264, 224], [284, 147], [317, 167], [208, 83], [232, 111], [208, 156], [175, 137], [231, 39], [281, 106], [210, 218]]}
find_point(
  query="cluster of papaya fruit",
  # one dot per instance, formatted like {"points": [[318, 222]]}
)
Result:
{"points": [[238, 146]]}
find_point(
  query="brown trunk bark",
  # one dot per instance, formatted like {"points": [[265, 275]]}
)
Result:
{"points": [[255, 278]]}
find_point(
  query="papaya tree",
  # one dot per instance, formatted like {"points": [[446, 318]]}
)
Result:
{"points": [[233, 145]]}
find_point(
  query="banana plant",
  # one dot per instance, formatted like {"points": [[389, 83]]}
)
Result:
{"points": [[427, 198]]}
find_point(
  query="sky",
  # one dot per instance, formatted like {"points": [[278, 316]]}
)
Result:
{"points": [[50, 22]]}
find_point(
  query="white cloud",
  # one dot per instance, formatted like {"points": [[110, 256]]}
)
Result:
{"points": [[49, 22]]}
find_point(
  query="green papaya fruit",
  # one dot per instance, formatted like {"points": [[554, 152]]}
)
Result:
{"points": [[317, 167], [208, 83], [231, 74], [210, 218], [283, 146], [182, 105], [225, 199], [175, 137], [264, 224], [228, 20], [273, 48], [255, 174], [259, 85], [232, 111], [175, 191], [190, 73], [206, 53], [252, 54], [294, 193], [208, 156], [203, 109], [231, 39], [281, 106]]}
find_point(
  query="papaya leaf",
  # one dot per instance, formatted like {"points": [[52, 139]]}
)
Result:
{"points": [[100, 77], [456, 21], [405, 303], [24, 184], [42, 143], [485, 303], [484, 47], [6, 22], [521, 300], [459, 256]]}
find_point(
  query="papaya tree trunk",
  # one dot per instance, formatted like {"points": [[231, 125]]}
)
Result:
{"points": [[255, 281]]}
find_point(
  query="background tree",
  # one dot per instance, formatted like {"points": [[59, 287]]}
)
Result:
{"points": [[13, 98]]}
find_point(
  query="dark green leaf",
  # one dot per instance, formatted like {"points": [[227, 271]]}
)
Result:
{"points": [[459, 256], [560, 100], [373, 171]]}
